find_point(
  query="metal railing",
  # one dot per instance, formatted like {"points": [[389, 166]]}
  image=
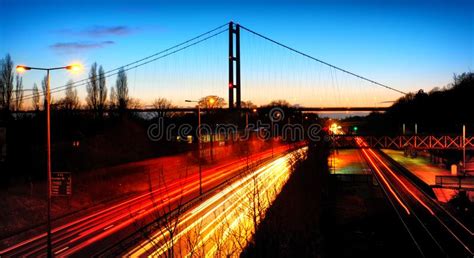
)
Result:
{"points": [[401, 142], [455, 182]]}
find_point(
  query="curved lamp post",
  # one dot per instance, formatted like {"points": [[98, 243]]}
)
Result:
{"points": [[47, 95], [211, 101]]}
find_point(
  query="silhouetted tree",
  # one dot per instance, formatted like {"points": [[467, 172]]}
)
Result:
{"points": [[35, 101], [113, 98], [43, 87], [134, 103], [102, 92], [212, 101], [6, 82], [93, 89], [18, 100], [439, 111], [248, 104], [71, 100], [163, 104], [121, 90], [2, 85], [279, 103]]}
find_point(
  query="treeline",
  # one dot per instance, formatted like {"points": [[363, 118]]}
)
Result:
{"points": [[11, 86], [440, 111], [12, 92]]}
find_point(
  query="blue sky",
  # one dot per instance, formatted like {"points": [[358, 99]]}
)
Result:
{"points": [[408, 45]]}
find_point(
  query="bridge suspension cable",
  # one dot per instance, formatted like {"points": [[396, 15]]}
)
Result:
{"points": [[320, 61], [146, 60]]}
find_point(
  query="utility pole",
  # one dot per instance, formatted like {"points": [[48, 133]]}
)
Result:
{"points": [[200, 149], [48, 151], [47, 96], [271, 135], [234, 64], [464, 148]]}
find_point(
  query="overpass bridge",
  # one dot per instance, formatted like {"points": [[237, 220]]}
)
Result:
{"points": [[195, 109], [420, 142]]}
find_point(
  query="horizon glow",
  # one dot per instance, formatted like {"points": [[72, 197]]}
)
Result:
{"points": [[405, 45]]}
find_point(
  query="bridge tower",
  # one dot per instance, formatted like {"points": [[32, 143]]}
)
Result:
{"points": [[234, 65]]}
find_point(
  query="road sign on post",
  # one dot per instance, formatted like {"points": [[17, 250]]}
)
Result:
{"points": [[61, 184]]}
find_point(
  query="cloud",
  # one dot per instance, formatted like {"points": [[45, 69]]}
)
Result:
{"points": [[78, 46], [100, 31]]}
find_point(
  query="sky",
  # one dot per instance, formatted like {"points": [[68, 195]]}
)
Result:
{"points": [[407, 45]]}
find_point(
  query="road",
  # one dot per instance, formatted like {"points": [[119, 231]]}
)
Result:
{"points": [[434, 230], [222, 225], [348, 162], [89, 234]]}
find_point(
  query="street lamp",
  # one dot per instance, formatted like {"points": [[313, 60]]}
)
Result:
{"points": [[211, 101], [21, 69], [254, 110]]}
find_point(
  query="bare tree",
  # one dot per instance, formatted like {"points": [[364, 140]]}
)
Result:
{"points": [[113, 99], [71, 100], [43, 87], [248, 104], [162, 104], [6, 82], [170, 234], [121, 90], [36, 98], [279, 103], [102, 94], [168, 218], [18, 100], [2, 85], [212, 101], [218, 239], [256, 209], [194, 245], [237, 235], [93, 89], [133, 103]]}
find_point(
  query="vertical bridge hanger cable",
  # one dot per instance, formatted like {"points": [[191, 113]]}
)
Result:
{"points": [[320, 61], [148, 59]]}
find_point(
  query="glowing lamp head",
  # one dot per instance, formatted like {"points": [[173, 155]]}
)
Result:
{"points": [[22, 68], [74, 68], [333, 128]]}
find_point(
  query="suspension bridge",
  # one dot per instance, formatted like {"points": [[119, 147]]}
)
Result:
{"points": [[235, 61], [245, 66]]}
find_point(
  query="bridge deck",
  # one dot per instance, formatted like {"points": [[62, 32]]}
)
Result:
{"points": [[194, 109], [403, 142]]}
